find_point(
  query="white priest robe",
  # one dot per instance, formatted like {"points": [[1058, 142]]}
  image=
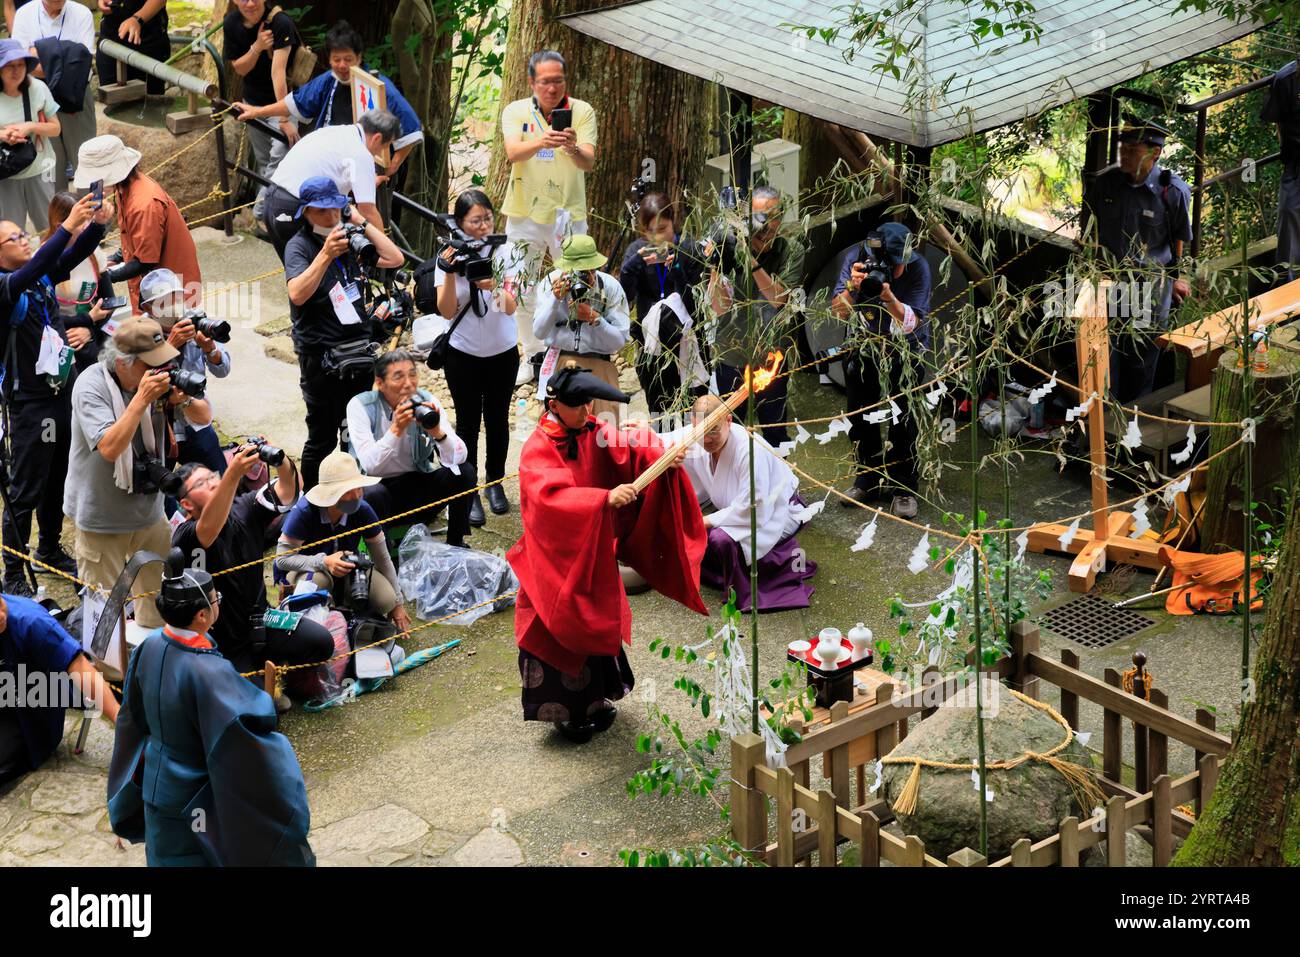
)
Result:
{"points": [[726, 484]]}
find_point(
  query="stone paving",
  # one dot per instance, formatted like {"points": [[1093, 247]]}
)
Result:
{"points": [[437, 769]]}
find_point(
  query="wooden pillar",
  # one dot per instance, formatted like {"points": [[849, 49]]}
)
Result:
{"points": [[1024, 641], [1095, 155], [1070, 700], [1112, 728], [748, 806]]}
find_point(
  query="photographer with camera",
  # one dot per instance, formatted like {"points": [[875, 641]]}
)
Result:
{"points": [[550, 142], [582, 314], [885, 292], [482, 357], [345, 155], [225, 529], [333, 333], [762, 272], [399, 433], [36, 386], [116, 475], [659, 274], [323, 516], [199, 340]]}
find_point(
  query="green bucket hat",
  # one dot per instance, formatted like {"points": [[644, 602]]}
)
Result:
{"points": [[579, 253]]}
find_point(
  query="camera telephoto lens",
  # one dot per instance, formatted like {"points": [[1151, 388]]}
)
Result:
{"points": [[366, 252], [191, 383], [214, 329], [427, 417], [270, 454]]}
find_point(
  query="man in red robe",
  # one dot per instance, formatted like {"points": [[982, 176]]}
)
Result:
{"points": [[581, 518]]}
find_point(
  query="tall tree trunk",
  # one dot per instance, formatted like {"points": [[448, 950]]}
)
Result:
{"points": [[651, 119], [424, 69], [1254, 817], [817, 153]]}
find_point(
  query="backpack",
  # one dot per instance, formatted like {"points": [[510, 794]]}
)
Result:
{"points": [[302, 61]]}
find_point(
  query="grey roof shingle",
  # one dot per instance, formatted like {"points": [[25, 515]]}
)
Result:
{"points": [[748, 45]]}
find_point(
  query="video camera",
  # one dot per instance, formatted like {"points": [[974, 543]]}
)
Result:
{"points": [[471, 257], [215, 329]]}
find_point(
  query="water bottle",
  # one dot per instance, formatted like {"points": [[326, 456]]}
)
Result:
{"points": [[523, 426]]}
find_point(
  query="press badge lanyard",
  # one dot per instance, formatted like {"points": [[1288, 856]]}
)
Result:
{"points": [[661, 271], [40, 11], [538, 116]]}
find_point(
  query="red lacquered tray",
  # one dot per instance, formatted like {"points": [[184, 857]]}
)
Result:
{"points": [[844, 664]]}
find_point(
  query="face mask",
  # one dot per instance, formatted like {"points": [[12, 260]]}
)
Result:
{"points": [[348, 508], [321, 230]]}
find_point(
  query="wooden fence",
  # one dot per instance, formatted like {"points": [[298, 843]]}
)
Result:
{"points": [[809, 822]]}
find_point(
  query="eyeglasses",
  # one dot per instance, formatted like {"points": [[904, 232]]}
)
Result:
{"points": [[559, 82], [16, 238], [481, 221]]}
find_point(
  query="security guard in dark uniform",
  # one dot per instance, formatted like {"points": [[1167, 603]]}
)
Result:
{"points": [[1283, 108], [1142, 221]]}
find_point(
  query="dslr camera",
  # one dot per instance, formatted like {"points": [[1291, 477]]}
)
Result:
{"points": [[150, 475], [193, 384], [270, 454], [358, 580], [427, 417], [873, 256], [359, 243], [214, 329]]}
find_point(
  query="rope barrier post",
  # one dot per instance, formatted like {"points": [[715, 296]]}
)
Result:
{"points": [[223, 174], [1141, 767], [268, 682]]}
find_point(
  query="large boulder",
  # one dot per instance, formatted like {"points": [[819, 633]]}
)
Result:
{"points": [[1028, 800]]}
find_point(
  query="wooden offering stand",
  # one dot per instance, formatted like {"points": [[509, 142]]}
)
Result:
{"points": [[1108, 538]]}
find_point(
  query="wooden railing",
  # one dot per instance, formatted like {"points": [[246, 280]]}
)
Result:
{"points": [[818, 821]]}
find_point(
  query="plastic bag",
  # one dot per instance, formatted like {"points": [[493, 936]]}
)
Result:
{"points": [[441, 579], [1017, 414]]}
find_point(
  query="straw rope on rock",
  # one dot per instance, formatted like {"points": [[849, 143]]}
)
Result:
{"points": [[1036, 770]]}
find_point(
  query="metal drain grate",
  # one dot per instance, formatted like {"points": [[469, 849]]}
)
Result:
{"points": [[1094, 622]]}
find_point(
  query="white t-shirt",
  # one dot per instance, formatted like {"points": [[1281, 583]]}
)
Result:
{"points": [[338, 152], [76, 23], [11, 111], [493, 332]]}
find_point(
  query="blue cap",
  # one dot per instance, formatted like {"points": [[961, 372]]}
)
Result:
{"points": [[320, 192], [893, 238]]}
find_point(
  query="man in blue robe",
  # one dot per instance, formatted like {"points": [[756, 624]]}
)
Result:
{"points": [[42, 672], [199, 770]]}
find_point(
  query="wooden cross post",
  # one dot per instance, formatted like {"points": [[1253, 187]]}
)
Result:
{"points": [[1108, 538]]}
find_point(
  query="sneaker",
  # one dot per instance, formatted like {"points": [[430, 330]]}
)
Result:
{"points": [[824, 379], [18, 586], [58, 559], [525, 375], [904, 506], [283, 704]]}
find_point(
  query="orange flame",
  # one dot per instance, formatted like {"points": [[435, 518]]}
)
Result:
{"points": [[764, 376]]}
